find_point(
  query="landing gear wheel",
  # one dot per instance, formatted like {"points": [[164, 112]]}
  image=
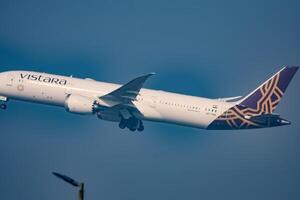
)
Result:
{"points": [[3, 106], [122, 124], [132, 129], [132, 124], [141, 126]]}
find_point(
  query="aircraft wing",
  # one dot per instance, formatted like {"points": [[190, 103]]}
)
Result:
{"points": [[120, 100], [127, 92]]}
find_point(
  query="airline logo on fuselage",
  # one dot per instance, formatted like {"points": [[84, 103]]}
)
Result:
{"points": [[45, 79]]}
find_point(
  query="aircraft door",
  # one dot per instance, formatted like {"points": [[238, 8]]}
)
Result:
{"points": [[153, 101]]}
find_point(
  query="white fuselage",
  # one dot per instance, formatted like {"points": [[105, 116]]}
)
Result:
{"points": [[153, 105]]}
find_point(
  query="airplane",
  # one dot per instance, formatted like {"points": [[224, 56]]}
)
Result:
{"points": [[130, 104]]}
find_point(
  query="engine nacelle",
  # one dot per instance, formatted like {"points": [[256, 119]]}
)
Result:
{"points": [[80, 105]]}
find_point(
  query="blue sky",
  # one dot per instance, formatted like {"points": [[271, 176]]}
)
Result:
{"points": [[204, 48]]}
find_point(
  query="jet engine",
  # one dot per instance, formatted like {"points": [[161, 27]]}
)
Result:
{"points": [[80, 105]]}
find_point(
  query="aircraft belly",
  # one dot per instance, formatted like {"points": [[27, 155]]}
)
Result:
{"points": [[176, 116]]}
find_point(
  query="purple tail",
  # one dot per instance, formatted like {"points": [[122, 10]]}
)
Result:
{"points": [[266, 97]]}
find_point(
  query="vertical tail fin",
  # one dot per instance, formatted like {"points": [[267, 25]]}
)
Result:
{"points": [[266, 97]]}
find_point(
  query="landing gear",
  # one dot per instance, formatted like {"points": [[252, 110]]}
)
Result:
{"points": [[141, 126], [3, 106], [122, 124], [132, 124]]}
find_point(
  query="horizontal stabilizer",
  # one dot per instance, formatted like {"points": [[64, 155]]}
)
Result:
{"points": [[268, 119]]}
